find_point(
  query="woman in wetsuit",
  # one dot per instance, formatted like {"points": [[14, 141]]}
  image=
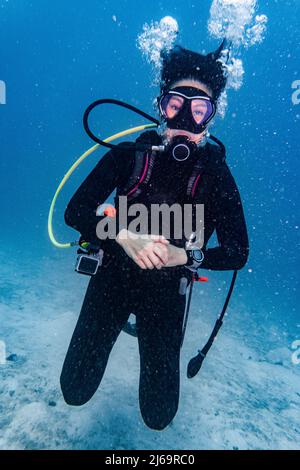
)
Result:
{"points": [[142, 275]]}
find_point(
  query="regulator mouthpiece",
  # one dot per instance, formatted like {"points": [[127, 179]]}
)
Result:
{"points": [[181, 148]]}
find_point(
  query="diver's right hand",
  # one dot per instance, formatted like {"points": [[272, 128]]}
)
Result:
{"points": [[147, 251]]}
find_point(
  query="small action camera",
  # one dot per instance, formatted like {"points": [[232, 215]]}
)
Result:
{"points": [[89, 263]]}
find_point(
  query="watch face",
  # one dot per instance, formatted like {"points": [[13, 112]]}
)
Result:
{"points": [[197, 255]]}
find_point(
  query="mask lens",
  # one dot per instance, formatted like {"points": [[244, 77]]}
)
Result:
{"points": [[201, 110], [171, 105]]}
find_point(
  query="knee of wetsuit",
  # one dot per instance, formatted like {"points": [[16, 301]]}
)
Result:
{"points": [[72, 395], [158, 417], [156, 423]]}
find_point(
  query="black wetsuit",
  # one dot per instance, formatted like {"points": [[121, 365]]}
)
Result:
{"points": [[121, 287]]}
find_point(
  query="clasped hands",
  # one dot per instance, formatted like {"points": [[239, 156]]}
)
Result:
{"points": [[151, 251]]}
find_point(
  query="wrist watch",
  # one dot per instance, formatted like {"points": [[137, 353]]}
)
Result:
{"points": [[194, 254]]}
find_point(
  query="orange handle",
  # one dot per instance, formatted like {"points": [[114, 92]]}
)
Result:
{"points": [[201, 279], [110, 211]]}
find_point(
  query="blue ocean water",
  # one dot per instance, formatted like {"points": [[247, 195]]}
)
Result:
{"points": [[56, 58]]}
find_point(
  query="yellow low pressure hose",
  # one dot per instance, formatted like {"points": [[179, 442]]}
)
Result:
{"points": [[72, 169]]}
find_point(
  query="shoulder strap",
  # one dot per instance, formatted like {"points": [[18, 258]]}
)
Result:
{"points": [[141, 173], [216, 159], [194, 179]]}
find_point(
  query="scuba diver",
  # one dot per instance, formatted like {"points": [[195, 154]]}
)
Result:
{"points": [[143, 274]]}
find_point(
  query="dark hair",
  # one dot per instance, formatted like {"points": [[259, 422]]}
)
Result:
{"points": [[182, 63]]}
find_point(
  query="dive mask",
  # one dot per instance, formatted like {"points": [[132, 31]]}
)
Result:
{"points": [[187, 108]]}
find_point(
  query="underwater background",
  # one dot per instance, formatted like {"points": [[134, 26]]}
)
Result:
{"points": [[57, 57]]}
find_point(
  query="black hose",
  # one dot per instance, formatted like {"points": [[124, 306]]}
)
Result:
{"points": [[196, 362], [93, 105]]}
